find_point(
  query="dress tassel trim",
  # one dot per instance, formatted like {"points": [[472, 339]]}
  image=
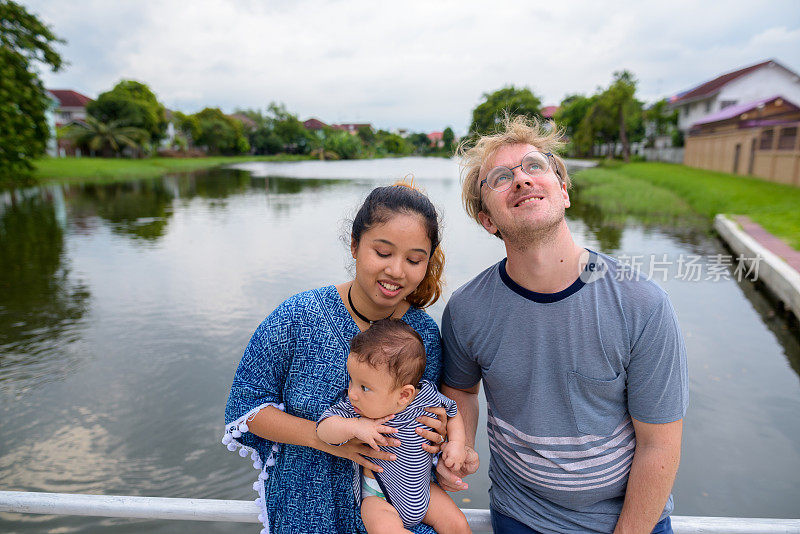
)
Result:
{"points": [[234, 431]]}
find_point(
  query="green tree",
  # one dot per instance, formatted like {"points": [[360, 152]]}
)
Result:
{"points": [[571, 112], [506, 100], [420, 142], [620, 103], [188, 125], [343, 144], [296, 139], [25, 42], [107, 138], [615, 115], [662, 119], [131, 103], [448, 136], [367, 135], [390, 143], [219, 133]]}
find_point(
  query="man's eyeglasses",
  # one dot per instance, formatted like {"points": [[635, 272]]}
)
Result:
{"points": [[533, 164]]}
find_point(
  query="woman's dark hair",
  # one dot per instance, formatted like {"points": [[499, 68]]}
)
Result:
{"points": [[393, 345], [384, 202]]}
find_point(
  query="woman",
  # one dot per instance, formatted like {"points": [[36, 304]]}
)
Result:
{"points": [[295, 366]]}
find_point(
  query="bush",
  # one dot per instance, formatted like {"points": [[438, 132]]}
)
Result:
{"points": [[343, 144]]}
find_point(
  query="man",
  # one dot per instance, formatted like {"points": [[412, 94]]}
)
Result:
{"points": [[583, 363]]}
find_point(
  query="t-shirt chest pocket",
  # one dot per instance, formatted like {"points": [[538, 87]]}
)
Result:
{"points": [[598, 405]]}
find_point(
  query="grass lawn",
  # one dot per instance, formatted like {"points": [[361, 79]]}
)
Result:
{"points": [[65, 170], [664, 191]]}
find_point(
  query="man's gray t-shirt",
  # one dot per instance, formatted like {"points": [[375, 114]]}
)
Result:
{"points": [[563, 374]]}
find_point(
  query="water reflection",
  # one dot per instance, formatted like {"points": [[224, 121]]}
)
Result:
{"points": [[140, 210], [214, 184], [41, 305], [285, 185], [608, 228]]}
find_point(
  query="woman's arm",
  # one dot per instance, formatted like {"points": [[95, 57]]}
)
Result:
{"points": [[274, 425]]}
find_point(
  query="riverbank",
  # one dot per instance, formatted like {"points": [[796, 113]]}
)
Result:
{"points": [[664, 192], [101, 170], [778, 266]]}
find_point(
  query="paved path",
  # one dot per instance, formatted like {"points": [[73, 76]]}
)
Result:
{"points": [[769, 241]]}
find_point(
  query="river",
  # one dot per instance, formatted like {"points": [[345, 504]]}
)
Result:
{"points": [[124, 310]]}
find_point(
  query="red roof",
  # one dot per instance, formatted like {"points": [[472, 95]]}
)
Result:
{"points": [[435, 136], [549, 111], [246, 121], [710, 87], [70, 99], [314, 124]]}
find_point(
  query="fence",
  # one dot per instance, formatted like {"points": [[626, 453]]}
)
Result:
{"points": [[247, 512]]}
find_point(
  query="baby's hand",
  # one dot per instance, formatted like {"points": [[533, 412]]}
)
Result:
{"points": [[371, 431], [454, 454]]}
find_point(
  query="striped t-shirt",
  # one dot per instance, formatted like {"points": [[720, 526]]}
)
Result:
{"points": [[563, 375], [406, 480]]}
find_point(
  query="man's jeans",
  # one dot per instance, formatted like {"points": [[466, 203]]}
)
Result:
{"points": [[502, 524]]}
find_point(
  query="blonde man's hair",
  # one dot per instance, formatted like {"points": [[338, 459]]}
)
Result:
{"points": [[519, 130]]}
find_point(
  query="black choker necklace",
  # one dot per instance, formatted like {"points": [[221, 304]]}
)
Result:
{"points": [[358, 314]]}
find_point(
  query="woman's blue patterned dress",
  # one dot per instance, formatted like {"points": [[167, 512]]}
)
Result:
{"points": [[297, 358]]}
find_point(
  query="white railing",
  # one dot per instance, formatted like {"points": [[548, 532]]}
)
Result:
{"points": [[247, 512]]}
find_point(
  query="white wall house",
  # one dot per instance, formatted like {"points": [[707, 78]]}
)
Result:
{"points": [[72, 106], [763, 80]]}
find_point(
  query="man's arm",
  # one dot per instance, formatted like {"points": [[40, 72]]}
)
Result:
{"points": [[467, 401], [655, 463]]}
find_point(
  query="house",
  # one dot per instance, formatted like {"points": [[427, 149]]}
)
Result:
{"points": [[314, 124], [749, 84], [71, 109], [248, 124], [436, 139], [351, 128], [71, 106], [548, 112], [757, 138]]}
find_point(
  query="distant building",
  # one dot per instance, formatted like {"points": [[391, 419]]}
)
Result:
{"points": [[351, 128], [436, 139], [549, 111], [314, 124], [70, 109], [758, 138], [71, 106], [749, 84], [248, 124]]}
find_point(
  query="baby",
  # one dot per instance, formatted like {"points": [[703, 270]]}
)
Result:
{"points": [[385, 396]]}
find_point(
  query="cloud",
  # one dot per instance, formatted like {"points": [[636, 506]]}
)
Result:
{"points": [[422, 65]]}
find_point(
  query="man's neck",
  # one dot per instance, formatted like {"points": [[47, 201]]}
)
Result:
{"points": [[548, 265]]}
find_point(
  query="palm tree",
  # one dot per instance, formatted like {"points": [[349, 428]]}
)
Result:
{"points": [[107, 138]]}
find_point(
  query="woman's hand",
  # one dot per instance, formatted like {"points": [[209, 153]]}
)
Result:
{"points": [[450, 479], [438, 429], [359, 451]]}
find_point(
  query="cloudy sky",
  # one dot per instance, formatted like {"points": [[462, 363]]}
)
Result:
{"points": [[418, 65]]}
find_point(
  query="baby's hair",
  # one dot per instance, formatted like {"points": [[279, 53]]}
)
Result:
{"points": [[393, 345]]}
